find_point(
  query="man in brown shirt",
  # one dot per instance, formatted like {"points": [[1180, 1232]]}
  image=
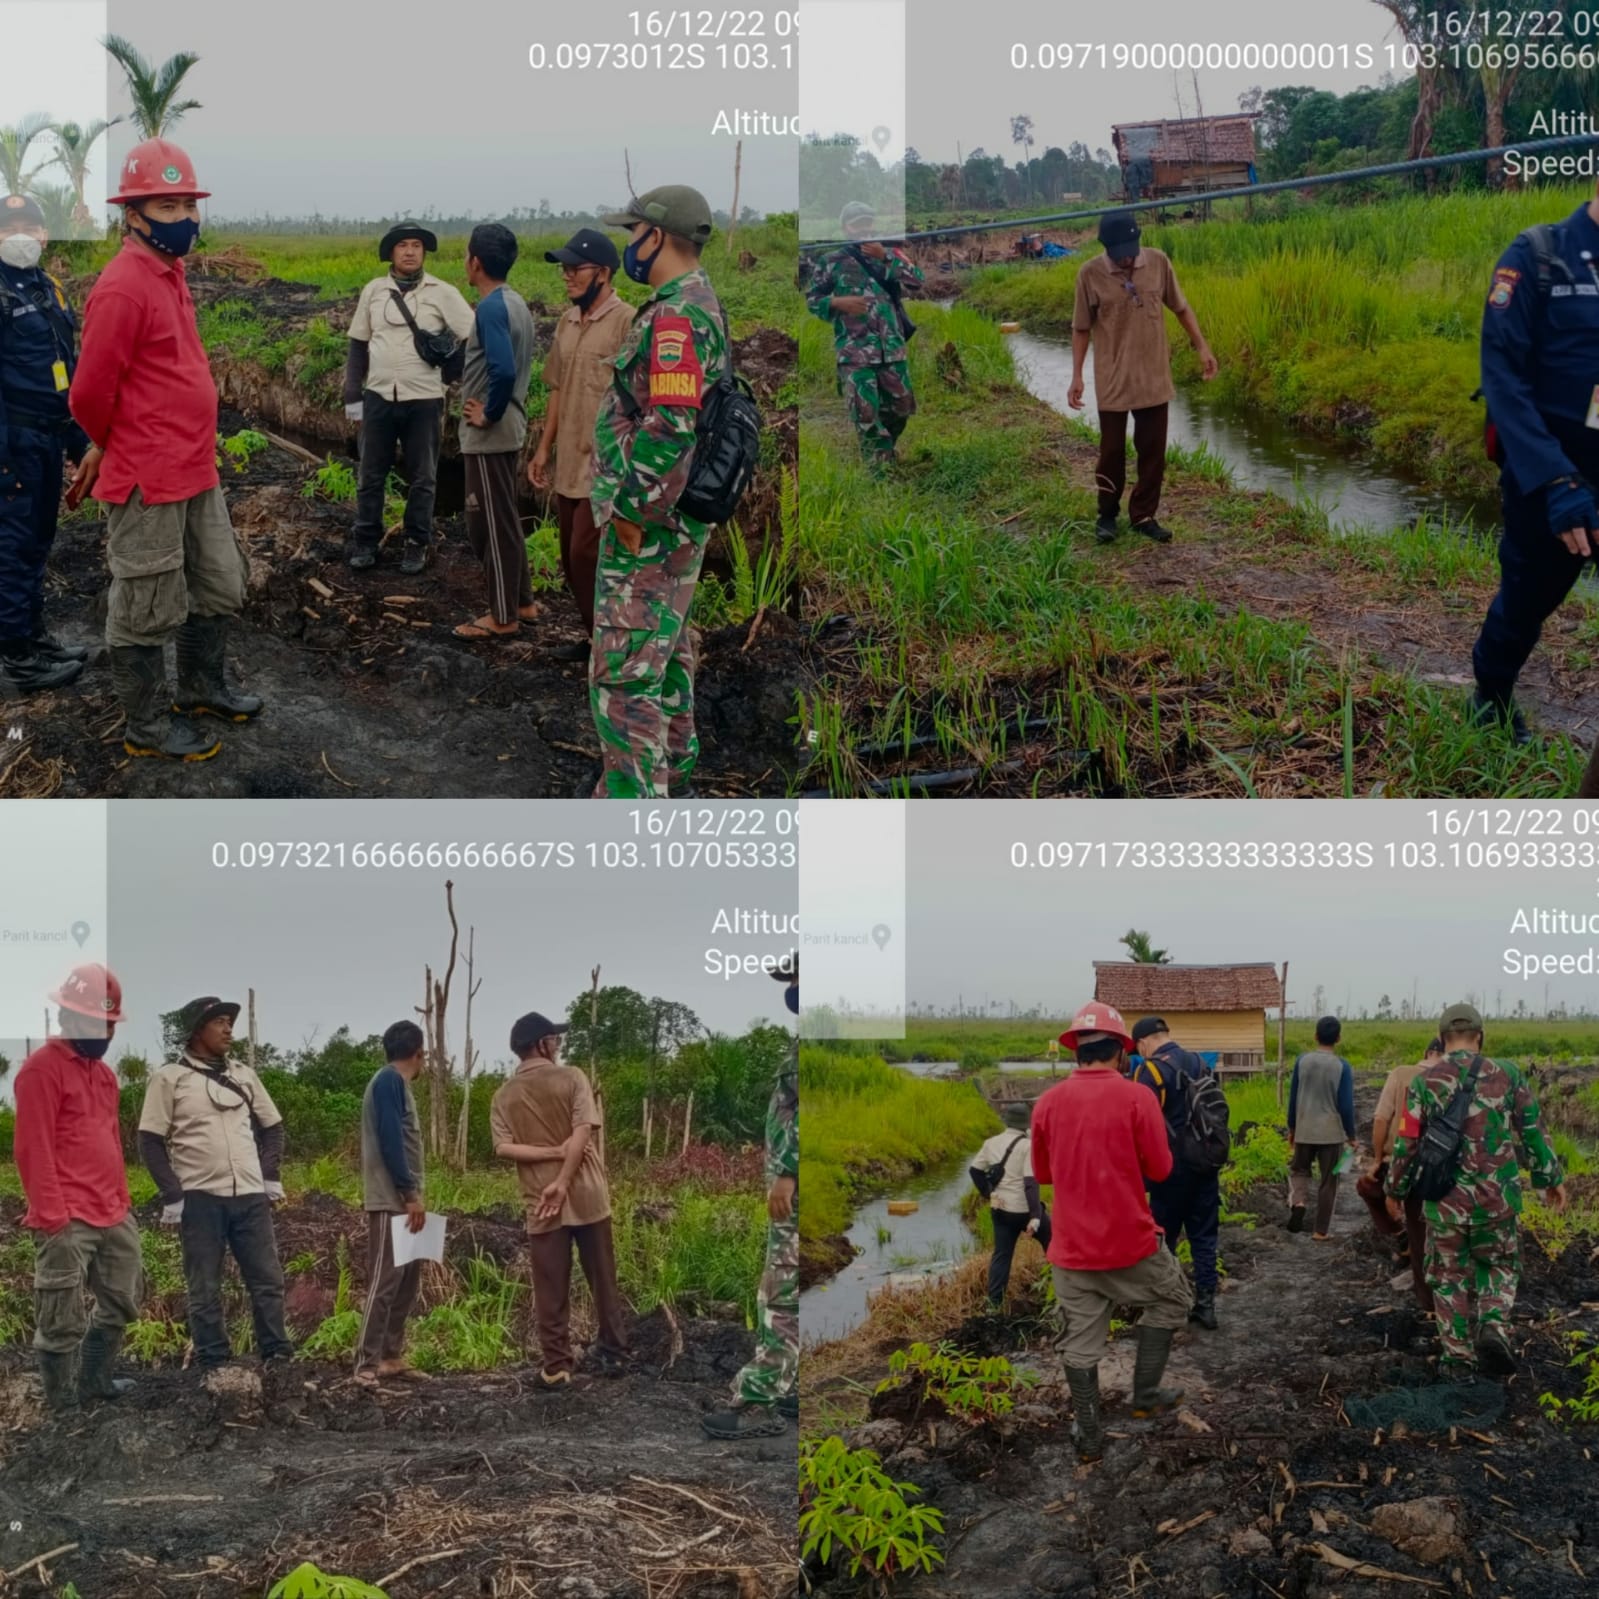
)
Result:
{"points": [[577, 373], [1120, 299], [1411, 1243], [543, 1118]]}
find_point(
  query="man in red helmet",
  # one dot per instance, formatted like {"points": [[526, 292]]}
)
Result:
{"points": [[1098, 1138], [69, 1156], [143, 393]]}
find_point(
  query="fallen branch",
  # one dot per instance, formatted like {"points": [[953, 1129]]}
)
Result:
{"points": [[683, 1548], [421, 1560], [38, 1560], [1571, 1555], [755, 627], [321, 587], [1363, 1568], [1172, 1530], [672, 1488], [166, 1499], [295, 449], [331, 773], [1521, 1538]]}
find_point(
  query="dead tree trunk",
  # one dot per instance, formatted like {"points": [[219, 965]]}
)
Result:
{"points": [[435, 1014], [594, 1068], [468, 1053], [732, 224]]}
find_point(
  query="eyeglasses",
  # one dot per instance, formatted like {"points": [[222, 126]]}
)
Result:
{"points": [[572, 271]]}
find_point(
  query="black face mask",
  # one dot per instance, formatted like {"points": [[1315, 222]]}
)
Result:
{"points": [[587, 298], [90, 1048]]}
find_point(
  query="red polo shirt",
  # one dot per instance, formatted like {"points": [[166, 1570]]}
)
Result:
{"points": [[1097, 1138], [143, 389], [68, 1141]]}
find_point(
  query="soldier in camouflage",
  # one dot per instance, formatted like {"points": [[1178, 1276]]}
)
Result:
{"points": [[1473, 1255], [850, 288], [641, 669], [766, 1390]]}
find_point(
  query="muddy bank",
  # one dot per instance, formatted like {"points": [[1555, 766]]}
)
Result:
{"points": [[1283, 1469], [368, 691]]}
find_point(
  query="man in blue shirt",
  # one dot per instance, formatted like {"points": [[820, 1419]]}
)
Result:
{"points": [[38, 353], [1540, 375], [1188, 1201]]}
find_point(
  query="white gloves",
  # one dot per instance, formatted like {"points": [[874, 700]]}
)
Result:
{"points": [[172, 1214], [274, 1191], [1032, 1226], [352, 413]]}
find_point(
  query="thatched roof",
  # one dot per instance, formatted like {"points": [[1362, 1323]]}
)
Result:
{"points": [[1194, 141], [1133, 987]]}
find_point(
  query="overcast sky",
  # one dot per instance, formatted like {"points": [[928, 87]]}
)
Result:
{"points": [[369, 111], [963, 87], [323, 948], [978, 928]]}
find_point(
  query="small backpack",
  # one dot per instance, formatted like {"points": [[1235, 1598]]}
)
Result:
{"points": [[727, 444], [1437, 1167], [985, 1179]]}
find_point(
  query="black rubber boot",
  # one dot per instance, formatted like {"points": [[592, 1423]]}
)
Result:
{"points": [[1153, 530], [1088, 1434], [1494, 1353], [202, 673], [1296, 1219], [1204, 1311], [1154, 1349], [417, 556], [1487, 710], [60, 1374], [568, 652], [97, 1354], [788, 1406], [140, 677], [1105, 530], [744, 1421], [25, 669]]}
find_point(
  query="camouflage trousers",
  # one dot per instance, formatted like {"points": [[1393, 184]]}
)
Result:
{"points": [[641, 668], [1473, 1273], [772, 1374], [880, 404]]}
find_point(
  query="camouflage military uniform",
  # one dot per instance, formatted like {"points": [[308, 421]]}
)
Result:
{"points": [[772, 1374], [873, 362], [1473, 1254], [641, 670]]}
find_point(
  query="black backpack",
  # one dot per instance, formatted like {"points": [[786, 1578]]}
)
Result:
{"points": [[1204, 1139], [1437, 1166], [985, 1179], [1547, 259], [727, 443]]}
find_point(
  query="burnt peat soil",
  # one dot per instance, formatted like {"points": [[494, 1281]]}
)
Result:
{"points": [[1272, 1478], [368, 692], [475, 1483]]}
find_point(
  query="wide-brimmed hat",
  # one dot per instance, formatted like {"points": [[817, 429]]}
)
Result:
{"points": [[1096, 1021], [407, 230], [207, 1008]]}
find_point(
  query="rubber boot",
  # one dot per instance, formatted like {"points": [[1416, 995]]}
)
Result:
{"points": [[1204, 1311], [97, 1354], [1088, 1435], [52, 649], [140, 677], [735, 1422], [25, 669], [202, 678], [60, 1374], [1154, 1349]]}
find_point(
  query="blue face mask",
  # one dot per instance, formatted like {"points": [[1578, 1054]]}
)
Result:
{"points": [[173, 238], [90, 1048], [634, 265]]}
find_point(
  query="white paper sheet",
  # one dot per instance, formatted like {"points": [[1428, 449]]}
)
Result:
{"points": [[425, 1245]]}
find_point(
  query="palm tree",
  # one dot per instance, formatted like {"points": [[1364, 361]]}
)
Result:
{"points": [[72, 155], [153, 90], [1139, 949], [56, 200], [14, 143]]}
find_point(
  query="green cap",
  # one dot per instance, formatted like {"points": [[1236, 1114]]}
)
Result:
{"points": [[855, 211], [674, 208], [1460, 1019]]}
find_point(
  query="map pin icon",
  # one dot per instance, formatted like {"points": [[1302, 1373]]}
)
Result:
{"points": [[80, 931], [880, 137], [881, 935]]}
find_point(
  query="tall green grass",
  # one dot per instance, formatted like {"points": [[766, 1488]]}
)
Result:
{"points": [[864, 1124]]}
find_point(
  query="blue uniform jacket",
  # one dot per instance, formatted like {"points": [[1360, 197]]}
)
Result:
{"points": [[1540, 361], [1156, 1074], [37, 329]]}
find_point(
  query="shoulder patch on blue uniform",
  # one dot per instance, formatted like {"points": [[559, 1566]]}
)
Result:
{"points": [[1504, 287]]}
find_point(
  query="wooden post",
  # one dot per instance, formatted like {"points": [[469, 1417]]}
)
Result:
{"points": [[469, 1055], [738, 162], [594, 1038], [1282, 1033], [250, 1047], [647, 1128], [688, 1119]]}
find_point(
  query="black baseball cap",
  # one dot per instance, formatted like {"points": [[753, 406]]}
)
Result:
{"points": [[586, 247], [1147, 1027], [1118, 232], [21, 208], [529, 1031]]}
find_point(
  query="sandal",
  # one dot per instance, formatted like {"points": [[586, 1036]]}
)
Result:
{"points": [[405, 1374], [485, 628], [529, 613], [367, 1378]]}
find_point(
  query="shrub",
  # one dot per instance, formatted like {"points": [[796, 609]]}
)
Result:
{"points": [[851, 1507]]}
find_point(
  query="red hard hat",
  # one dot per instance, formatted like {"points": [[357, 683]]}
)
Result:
{"points": [[1097, 1018], [154, 168], [91, 991]]}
